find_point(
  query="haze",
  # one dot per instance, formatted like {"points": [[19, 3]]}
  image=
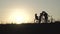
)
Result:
{"points": [[30, 7]]}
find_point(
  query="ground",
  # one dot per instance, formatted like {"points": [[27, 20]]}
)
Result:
{"points": [[46, 28]]}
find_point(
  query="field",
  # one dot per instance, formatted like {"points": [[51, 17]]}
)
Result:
{"points": [[46, 28]]}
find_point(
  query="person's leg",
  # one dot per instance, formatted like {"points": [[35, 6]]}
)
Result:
{"points": [[46, 19], [40, 19]]}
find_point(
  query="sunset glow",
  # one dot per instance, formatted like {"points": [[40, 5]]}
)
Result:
{"points": [[18, 11], [18, 16]]}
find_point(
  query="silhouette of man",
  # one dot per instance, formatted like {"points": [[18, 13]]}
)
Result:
{"points": [[36, 17], [46, 16], [41, 14]]}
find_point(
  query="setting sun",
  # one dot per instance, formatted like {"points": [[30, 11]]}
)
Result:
{"points": [[19, 19], [18, 16]]}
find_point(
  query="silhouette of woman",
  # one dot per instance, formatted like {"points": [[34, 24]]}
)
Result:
{"points": [[46, 16]]}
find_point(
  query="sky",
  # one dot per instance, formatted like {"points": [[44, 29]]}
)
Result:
{"points": [[52, 7]]}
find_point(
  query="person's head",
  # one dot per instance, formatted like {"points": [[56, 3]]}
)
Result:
{"points": [[35, 14], [43, 12]]}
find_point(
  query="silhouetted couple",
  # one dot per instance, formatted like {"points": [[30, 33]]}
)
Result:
{"points": [[41, 16]]}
